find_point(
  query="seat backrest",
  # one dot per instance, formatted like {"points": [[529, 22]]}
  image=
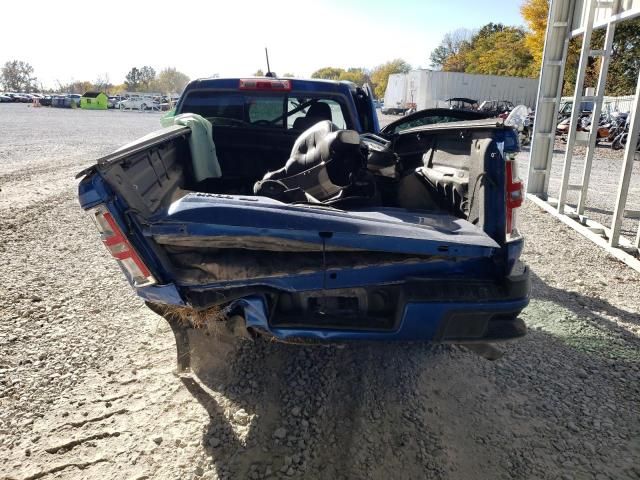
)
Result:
{"points": [[317, 112], [322, 161]]}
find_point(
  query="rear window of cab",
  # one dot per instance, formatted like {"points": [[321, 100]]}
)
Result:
{"points": [[260, 110]]}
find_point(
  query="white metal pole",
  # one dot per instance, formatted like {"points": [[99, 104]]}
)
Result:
{"points": [[627, 167], [559, 23], [577, 102], [597, 110]]}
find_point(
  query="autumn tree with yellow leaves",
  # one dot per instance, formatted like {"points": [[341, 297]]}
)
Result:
{"points": [[535, 13]]}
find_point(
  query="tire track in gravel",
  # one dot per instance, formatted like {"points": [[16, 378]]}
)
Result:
{"points": [[389, 432]]}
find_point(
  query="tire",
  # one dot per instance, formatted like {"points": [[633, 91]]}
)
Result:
{"points": [[618, 142], [143, 107], [122, 107]]}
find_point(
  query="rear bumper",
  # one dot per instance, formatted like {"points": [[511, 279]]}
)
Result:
{"points": [[448, 312], [455, 317]]}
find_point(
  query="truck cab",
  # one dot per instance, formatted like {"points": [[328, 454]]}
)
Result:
{"points": [[290, 104]]}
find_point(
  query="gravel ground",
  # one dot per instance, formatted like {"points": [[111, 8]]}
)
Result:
{"points": [[88, 389], [603, 186]]}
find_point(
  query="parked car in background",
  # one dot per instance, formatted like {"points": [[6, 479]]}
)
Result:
{"points": [[114, 101], [72, 100], [20, 97], [496, 108], [138, 103], [166, 102], [5, 98], [565, 109], [388, 109], [45, 101], [460, 103]]}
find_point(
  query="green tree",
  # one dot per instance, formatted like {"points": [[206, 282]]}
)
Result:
{"points": [[140, 78], [624, 64], [450, 45], [625, 58], [289, 75], [495, 49], [499, 52], [79, 86], [103, 83], [328, 73], [132, 79], [258, 73], [571, 67], [359, 76], [18, 76], [147, 76], [458, 62], [380, 74], [486, 31], [170, 80]]}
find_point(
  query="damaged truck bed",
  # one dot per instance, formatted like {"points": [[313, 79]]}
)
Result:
{"points": [[319, 226]]}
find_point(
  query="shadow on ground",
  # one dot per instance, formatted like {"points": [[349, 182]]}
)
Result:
{"points": [[419, 411]]}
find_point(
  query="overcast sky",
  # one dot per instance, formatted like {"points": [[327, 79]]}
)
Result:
{"points": [[69, 40]]}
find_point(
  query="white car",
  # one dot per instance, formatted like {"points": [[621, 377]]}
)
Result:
{"points": [[138, 103]]}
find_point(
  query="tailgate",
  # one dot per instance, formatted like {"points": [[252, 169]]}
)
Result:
{"points": [[223, 241], [226, 221]]}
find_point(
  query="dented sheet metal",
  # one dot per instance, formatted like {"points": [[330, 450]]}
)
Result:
{"points": [[212, 220]]}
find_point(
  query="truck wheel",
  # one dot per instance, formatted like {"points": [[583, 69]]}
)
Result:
{"points": [[617, 143]]}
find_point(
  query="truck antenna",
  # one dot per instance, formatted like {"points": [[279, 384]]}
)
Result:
{"points": [[269, 72]]}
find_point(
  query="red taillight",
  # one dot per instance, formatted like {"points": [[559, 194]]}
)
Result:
{"points": [[514, 195], [273, 85], [121, 249]]}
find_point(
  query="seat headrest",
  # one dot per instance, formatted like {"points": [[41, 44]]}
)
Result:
{"points": [[320, 110]]}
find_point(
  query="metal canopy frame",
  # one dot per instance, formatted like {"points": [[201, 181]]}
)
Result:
{"points": [[569, 19]]}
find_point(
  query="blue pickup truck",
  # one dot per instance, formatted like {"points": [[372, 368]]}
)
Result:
{"points": [[318, 225]]}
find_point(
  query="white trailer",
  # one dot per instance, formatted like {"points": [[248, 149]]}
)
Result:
{"points": [[395, 96], [429, 89]]}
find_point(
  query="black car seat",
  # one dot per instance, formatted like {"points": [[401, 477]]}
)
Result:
{"points": [[324, 161], [317, 113]]}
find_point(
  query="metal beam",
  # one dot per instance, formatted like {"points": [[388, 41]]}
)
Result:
{"points": [[577, 101], [560, 29], [627, 167], [588, 232], [597, 110], [549, 95], [620, 17]]}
